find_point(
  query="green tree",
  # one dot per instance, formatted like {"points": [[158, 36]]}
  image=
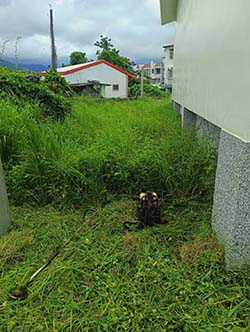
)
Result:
{"points": [[77, 58], [104, 44], [109, 53]]}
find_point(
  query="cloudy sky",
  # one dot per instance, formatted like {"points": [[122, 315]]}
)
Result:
{"points": [[133, 26]]}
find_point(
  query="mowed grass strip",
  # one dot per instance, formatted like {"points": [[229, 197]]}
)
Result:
{"points": [[167, 278]]}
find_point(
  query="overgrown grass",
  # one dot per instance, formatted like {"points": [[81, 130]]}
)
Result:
{"points": [[166, 278], [104, 149]]}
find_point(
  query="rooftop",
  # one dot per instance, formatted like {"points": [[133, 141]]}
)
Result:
{"points": [[72, 69]]}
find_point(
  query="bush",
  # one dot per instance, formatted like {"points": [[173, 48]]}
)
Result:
{"points": [[148, 90], [21, 88], [57, 84]]}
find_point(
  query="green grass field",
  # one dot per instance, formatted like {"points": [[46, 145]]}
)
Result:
{"points": [[104, 149], [167, 278]]}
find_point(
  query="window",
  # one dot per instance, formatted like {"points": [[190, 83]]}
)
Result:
{"points": [[171, 53], [153, 71], [157, 70], [115, 87], [170, 74], [146, 72]]}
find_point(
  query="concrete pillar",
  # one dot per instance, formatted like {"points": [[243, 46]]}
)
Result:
{"points": [[231, 211], [203, 127], [176, 106], [4, 205], [188, 119], [207, 129], [231, 208]]}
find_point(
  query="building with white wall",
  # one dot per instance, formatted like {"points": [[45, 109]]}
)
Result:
{"points": [[152, 70], [168, 66], [111, 81], [211, 89]]}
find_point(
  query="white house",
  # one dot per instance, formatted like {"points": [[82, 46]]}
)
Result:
{"points": [[111, 80], [211, 88], [168, 66]]}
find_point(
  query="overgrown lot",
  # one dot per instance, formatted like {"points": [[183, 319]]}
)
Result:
{"points": [[167, 278], [102, 149]]}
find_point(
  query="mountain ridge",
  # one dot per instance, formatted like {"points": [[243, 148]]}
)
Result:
{"points": [[23, 66]]}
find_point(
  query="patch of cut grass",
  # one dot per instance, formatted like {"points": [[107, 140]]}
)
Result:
{"points": [[160, 279]]}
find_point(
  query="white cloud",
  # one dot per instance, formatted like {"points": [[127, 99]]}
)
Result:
{"points": [[133, 26]]}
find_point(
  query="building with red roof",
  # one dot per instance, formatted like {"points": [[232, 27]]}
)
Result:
{"points": [[99, 77]]}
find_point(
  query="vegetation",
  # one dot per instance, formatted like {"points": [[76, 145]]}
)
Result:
{"points": [[167, 278], [46, 97], [109, 53], [77, 58], [104, 149], [148, 90], [57, 84]]}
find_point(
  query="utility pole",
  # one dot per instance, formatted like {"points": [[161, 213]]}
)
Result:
{"points": [[142, 81], [53, 43]]}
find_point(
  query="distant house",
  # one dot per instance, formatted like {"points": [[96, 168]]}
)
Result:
{"points": [[152, 70], [100, 77], [211, 91], [167, 61]]}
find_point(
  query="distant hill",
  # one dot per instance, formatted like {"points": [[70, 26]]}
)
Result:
{"points": [[21, 66]]}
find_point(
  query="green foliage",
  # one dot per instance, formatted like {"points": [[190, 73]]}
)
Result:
{"points": [[105, 148], [109, 53], [77, 58], [149, 90], [104, 44], [21, 87], [117, 60], [56, 83], [167, 278]]}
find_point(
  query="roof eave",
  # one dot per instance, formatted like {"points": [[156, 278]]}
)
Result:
{"points": [[168, 46], [168, 11], [92, 64]]}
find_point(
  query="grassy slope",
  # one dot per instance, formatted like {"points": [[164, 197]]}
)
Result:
{"points": [[167, 278]]}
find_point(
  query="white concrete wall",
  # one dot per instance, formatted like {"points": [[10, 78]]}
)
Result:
{"points": [[155, 78], [4, 205], [167, 63], [212, 62], [104, 74]]}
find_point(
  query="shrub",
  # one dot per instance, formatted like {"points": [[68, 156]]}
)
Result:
{"points": [[57, 84], [148, 89], [20, 88]]}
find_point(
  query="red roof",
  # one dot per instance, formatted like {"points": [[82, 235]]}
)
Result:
{"points": [[92, 64]]}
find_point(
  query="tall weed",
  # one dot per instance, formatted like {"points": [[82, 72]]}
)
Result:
{"points": [[105, 148]]}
